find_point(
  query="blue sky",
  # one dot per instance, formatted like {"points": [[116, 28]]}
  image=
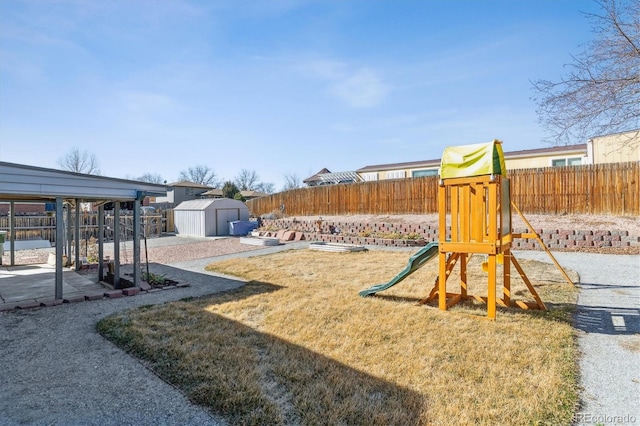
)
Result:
{"points": [[279, 87]]}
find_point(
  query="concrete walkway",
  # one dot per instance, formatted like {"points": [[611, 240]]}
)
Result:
{"points": [[608, 320]]}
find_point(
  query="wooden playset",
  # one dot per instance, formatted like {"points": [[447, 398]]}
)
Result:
{"points": [[474, 202]]}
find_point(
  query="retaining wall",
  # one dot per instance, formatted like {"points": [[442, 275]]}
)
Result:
{"points": [[380, 234]]}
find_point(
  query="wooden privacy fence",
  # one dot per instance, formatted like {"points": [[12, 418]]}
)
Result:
{"points": [[591, 189]]}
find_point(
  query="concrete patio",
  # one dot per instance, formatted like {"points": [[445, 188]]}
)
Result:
{"points": [[28, 286]]}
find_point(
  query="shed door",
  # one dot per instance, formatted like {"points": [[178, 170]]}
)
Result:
{"points": [[223, 217]]}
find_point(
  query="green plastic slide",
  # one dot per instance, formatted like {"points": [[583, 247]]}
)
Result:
{"points": [[416, 261]]}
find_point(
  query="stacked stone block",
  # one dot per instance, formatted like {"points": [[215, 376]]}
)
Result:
{"points": [[363, 233]]}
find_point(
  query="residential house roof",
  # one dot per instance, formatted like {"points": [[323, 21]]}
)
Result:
{"points": [[568, 149], [252, 194], [580, 148], [187, 184], [213, 193], [407, 165], [316, 177], [324, 177]]}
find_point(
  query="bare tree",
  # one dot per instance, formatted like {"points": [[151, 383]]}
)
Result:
{"points": [[80, 162], [601, 92], [265, 187], [247, 180], [151, 178], [200, 174], [291, 181]]}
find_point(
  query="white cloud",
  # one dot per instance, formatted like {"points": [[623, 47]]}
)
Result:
{"points": [[361, 89], [358, 88]]}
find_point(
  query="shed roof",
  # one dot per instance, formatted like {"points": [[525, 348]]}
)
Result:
{"points": [[195, 204], [204, 203]]}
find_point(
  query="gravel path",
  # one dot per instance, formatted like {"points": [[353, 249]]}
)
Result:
{"points": [[57, 370], [160, 250], [608, 321]]}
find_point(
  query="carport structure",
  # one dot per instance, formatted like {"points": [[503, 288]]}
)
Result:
{"points": [[23, 183]]}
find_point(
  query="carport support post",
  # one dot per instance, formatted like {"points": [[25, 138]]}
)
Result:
{"points": [[69, 233], [136, 241], [101, 242], [59, 247], [12, 231], [77, 235], [116, 244]]}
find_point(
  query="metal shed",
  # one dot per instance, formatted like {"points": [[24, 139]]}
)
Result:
{"points": [[208, 217]]}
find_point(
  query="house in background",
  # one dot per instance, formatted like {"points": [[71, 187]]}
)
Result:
{"points": [[249, 195], [524, 159], [325, 177], [178, 192], [399, 170], [212, 193], [615, 148], [557, 156], [217, 193]]}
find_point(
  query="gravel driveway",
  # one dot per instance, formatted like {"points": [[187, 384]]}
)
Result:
{"points": [[56, 369]]}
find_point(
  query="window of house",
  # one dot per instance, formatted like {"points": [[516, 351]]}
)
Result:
{"points": [[561, 162], [368, 177], [574, 161], [396, 174], [421, 173]]}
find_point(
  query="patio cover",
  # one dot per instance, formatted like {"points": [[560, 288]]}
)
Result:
{"points": [[19, 182]]}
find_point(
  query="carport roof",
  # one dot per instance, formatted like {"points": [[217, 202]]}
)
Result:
{"points": [[19, 182]]}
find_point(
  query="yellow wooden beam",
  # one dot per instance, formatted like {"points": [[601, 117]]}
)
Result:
{"points": [[468, 247], [506, 278], [442, 282], [467, 180], [463, 274], [544, 246], [491, 290], [524, 277]]}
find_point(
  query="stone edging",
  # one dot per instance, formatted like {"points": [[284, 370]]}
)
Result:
{"points": [[95, 295]]}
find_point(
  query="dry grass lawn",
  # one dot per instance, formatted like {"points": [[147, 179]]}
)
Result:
{"points": [[297, 345]]}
